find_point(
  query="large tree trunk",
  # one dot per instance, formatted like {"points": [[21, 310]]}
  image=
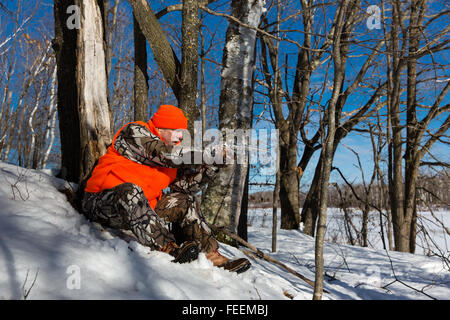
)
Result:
{"points": [[83, 108], [401, 230], [290, 171], [412, 148], [140, 74], [405, 52], [311, 205], [162, 51], [92, 83], [223, 198], [64, 44], [190, 29], [329, 149], [289, 182]]}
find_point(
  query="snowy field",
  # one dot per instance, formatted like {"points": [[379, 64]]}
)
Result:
{"points": [[431, 235], [49, 251]]}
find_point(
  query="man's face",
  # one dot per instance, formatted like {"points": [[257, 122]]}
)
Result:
{"points": [[171, 136]]}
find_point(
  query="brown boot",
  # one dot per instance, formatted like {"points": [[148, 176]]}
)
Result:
{"points": [[186, 253], [238, 265]]}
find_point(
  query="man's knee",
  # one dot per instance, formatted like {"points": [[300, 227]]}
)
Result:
{"points": [[129, 188], [131, 193], [175, 200]]}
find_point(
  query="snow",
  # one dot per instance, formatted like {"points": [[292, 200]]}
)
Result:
{"points": [[43, 239]]}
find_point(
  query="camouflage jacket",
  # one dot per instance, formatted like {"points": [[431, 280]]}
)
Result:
{"points": [[135, 142]]}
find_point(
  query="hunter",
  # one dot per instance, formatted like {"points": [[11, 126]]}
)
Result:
{"points": [[125, 191]]}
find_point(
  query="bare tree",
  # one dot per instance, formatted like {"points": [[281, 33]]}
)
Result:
{"points": [[327, 151], [24, 130], [161, 48], [190, 31], [405, 50], [308, 59], [64, 45], [140, 74], [83, 108], [223, 198], [91, 77], [9, 59], [344, 122]]}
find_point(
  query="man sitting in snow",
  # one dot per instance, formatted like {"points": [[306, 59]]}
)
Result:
{"points": [[125, 191]]}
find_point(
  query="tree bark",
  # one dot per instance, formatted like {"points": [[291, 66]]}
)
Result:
{"points": [[140, 74], [92, 83], [162, 51], [290, 171], [311, 205], [412, 148], [401, 235], [275, 205], [289, 182], [310, 208], [328, 150], [242, 225], [64, 44], [223, 197], [190, 29]]}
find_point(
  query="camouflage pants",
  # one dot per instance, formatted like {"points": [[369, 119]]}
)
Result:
{"points": [[126, 207]]}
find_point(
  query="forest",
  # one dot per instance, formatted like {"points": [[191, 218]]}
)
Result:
{"points": [[356, 91]]}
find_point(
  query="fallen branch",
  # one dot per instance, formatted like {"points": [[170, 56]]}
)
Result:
{"points": [[258, 253], [26, 292], [403, 283]]}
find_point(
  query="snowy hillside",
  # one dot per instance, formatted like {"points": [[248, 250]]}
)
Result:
{"points": [[49, 251]]}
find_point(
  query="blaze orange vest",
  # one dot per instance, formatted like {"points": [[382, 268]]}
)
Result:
{"points": [[114, 169]]}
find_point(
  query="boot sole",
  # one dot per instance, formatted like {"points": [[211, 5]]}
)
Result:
{"points": [[188, 255], [243, 268], [239, 266]]}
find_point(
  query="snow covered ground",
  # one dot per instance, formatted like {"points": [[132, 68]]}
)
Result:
{"points": [[49, 251]]}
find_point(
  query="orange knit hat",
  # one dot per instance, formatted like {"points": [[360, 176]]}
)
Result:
{"points": [[169, 117]]}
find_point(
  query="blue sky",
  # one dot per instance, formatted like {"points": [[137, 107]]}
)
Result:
{"points": [[214, 32]]}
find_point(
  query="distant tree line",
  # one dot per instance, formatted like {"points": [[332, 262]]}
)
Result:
{"points": [[432, 190]]}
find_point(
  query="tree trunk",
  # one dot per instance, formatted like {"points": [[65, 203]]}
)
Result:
{"points": [[50, 130], [92, 83], [162, 51], [64, 44], [365, 222], [242, 225], [412, 147], [140, 74], [202, 82], [275, 204], [401, 234], [290, 215], [110, 31], [328, 151], [310, 207], [190, 29], [288, 127], [223, 197]]}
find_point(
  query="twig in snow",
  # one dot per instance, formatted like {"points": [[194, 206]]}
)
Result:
{"points": [[261, 254], [26, 292], [403, 283]]}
